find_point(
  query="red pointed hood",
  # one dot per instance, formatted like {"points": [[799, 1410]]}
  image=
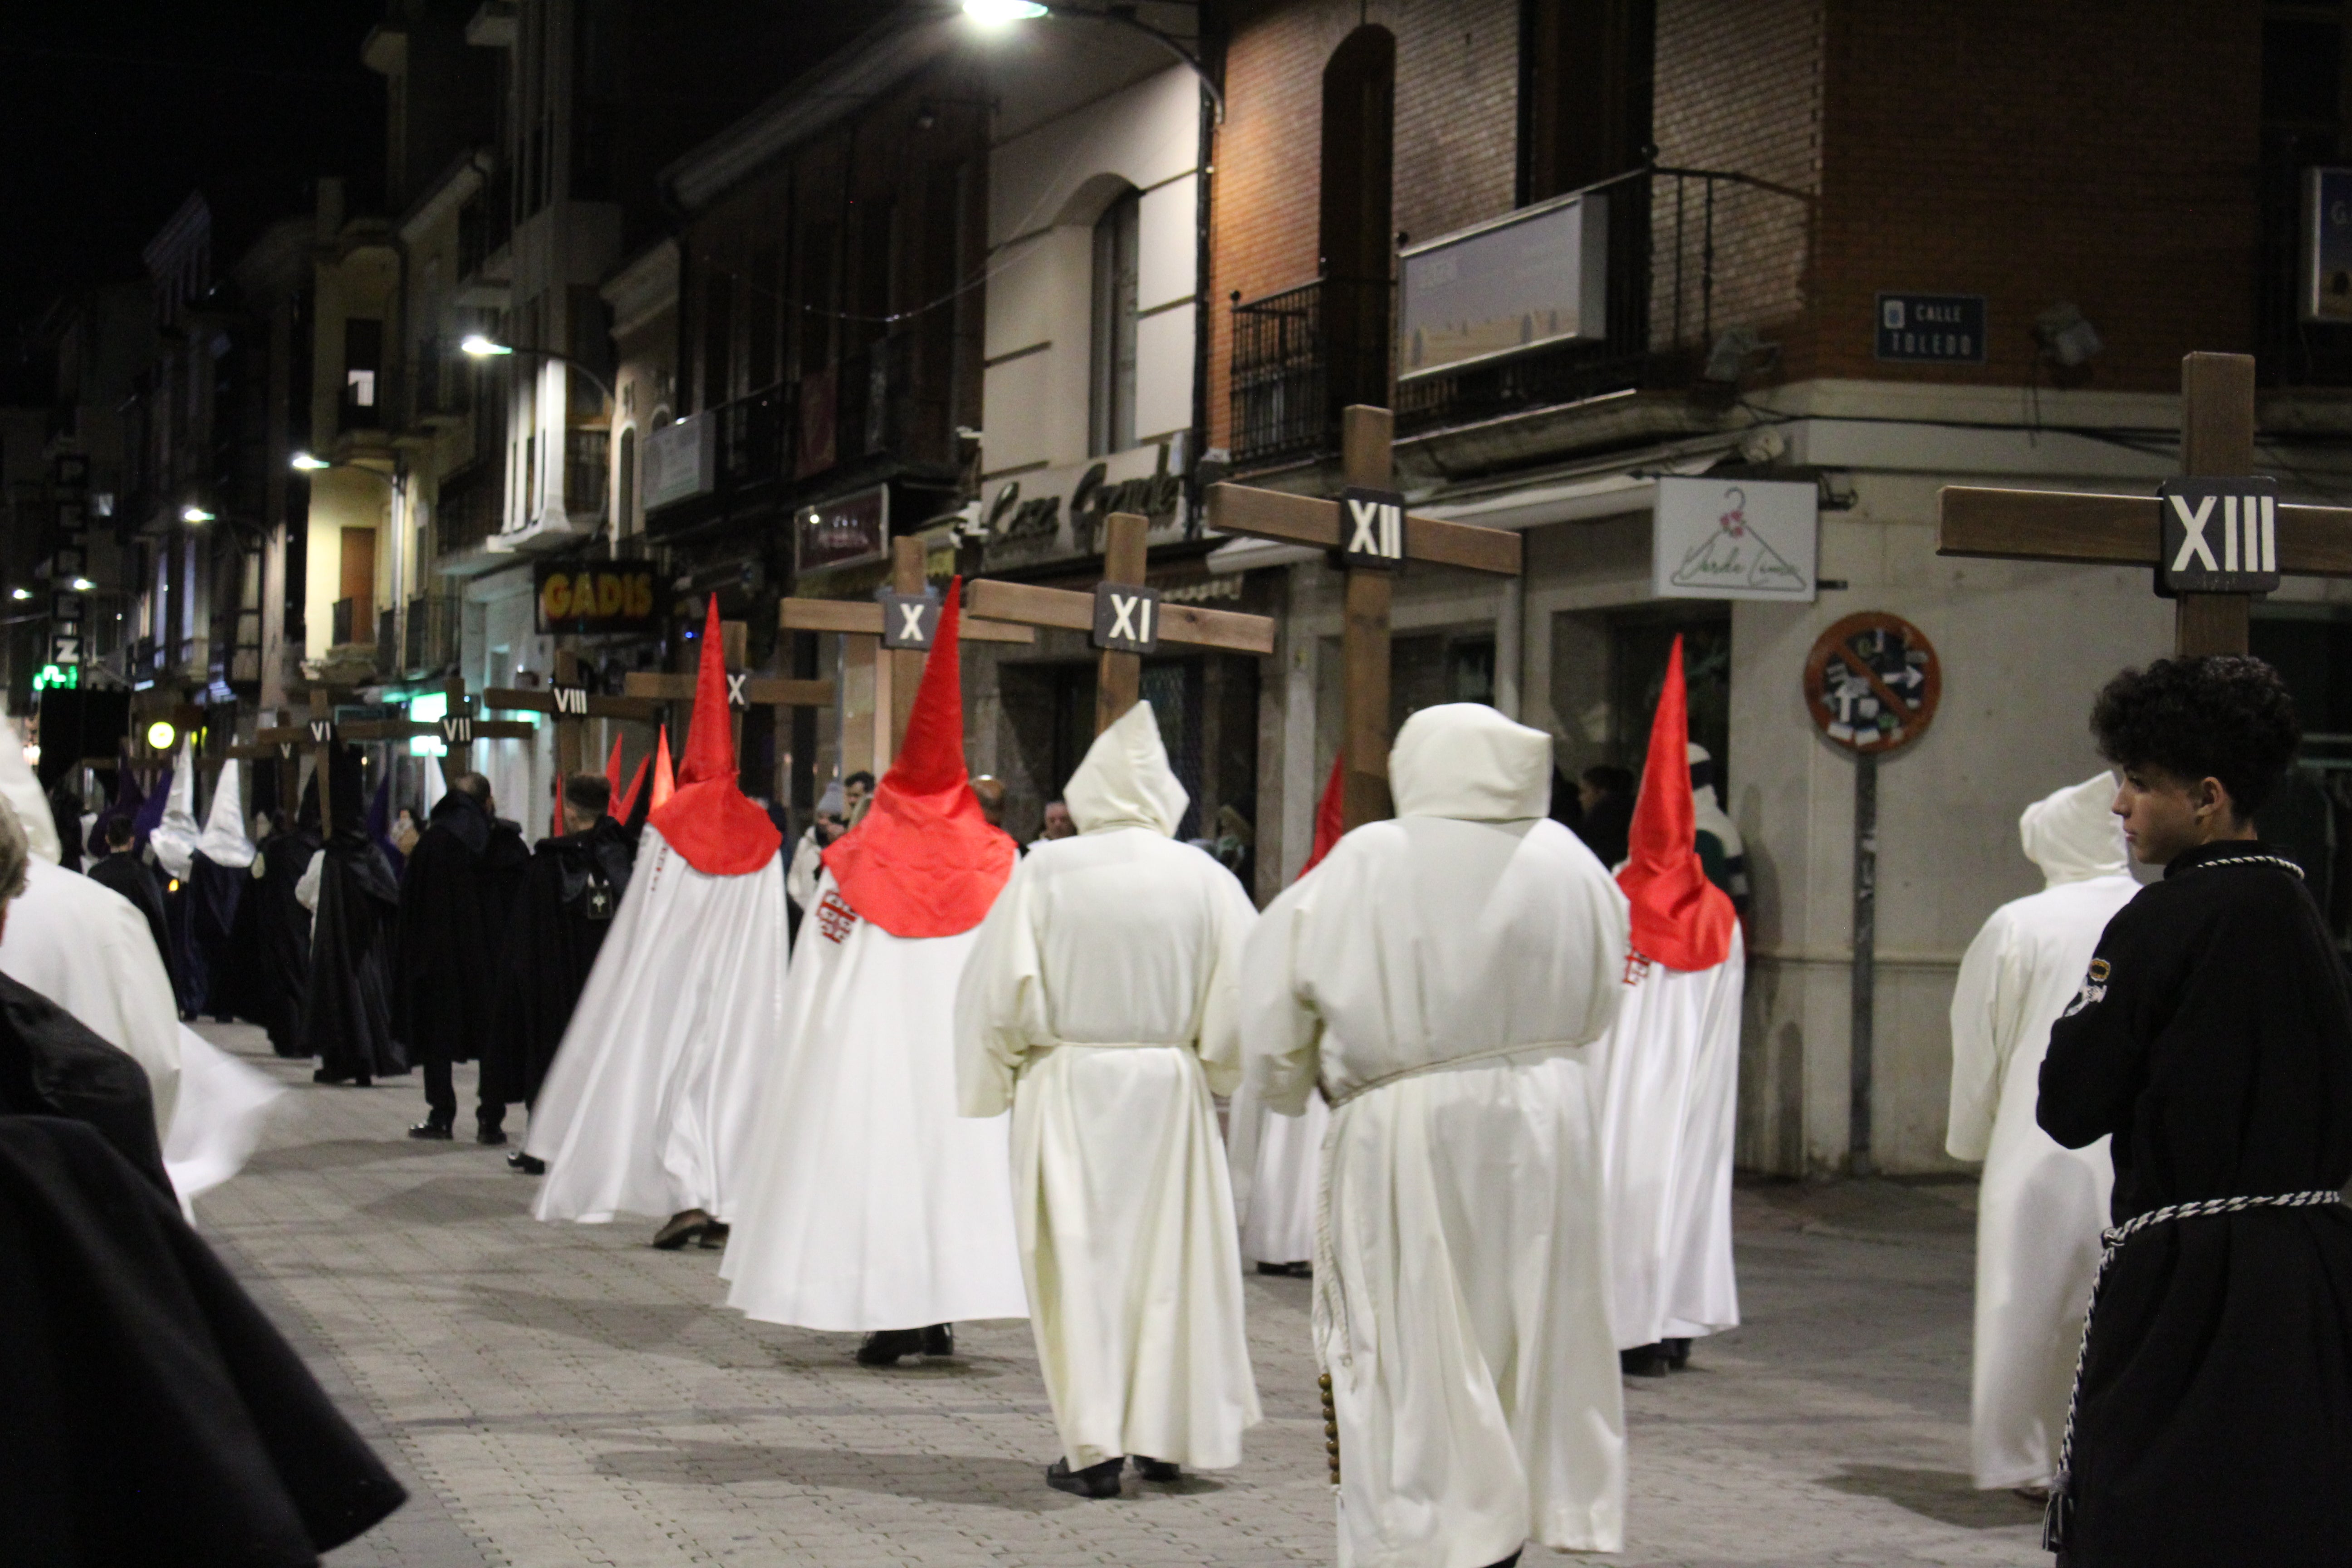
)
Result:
{"points": [[924, 862], [1680, 918], [1330, 814], [613, 770], [709, 820], [628, 801], [664, 784]]}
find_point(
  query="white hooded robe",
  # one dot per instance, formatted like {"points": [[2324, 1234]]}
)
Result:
{"points": [[1277, 1162], [648, 1103], [1099, 1006], [2040, 1207], [1444, 976]]}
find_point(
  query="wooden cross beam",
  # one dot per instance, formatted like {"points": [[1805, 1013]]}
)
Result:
{"points": [[457, 729], [899, 653], [319, 733], [2216, 442], [745, 691], [1123, 615], [1374, 537], [573, 705]]}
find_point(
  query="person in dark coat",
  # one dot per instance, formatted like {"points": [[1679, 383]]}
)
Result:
{"points": [[570, 894], [123, 869], [346, 1000], [2211, 1042], [65, 811], [453, 904], [269, 945]]}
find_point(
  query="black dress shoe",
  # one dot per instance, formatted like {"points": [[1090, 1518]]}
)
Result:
{"points": [[321, 1075], [713, 1237], [490, 1137], [431, 1128], [1095, 1481], [682, 1228], [1510, 1561], [939, 1340], [362, 1081], [882, 1347], [1159, 1471], [526, 1165], [1643, 1360], [1677, 1352]]}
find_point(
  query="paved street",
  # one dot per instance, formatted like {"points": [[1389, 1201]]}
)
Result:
{"points": [[557, 1395]]}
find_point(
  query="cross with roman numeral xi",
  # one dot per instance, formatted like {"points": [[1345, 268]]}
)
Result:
{"points": [[2217, 536]]}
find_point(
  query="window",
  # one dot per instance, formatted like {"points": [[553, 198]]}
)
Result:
{"points": [[627, 508], [1353, 227], [1111, 400], [362, 363], [1585, 89]]}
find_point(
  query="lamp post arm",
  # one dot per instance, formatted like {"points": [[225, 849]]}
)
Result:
{"points": [[1124, 18], [601, 385]]}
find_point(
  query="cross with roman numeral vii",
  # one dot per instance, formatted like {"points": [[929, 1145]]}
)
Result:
{"points": [[1124, 617], [1372, 536], [457, 729], [2217, 536]]}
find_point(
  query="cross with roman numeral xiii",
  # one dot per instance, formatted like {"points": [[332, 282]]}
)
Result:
{"points": [[1369, 530], [2217, 536]]}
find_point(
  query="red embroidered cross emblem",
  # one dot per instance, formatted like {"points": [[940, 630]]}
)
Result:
{"points": [[1637, 968], [834, 917]]}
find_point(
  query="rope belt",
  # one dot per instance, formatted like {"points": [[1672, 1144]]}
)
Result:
{"points": [[2059, 1514]]}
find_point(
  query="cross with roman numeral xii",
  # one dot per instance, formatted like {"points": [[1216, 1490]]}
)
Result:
{"points": [[2217, 536], [1372, 536]]}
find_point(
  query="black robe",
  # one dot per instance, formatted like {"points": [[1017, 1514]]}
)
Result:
{"points": [[153, 1413], [51, 1064], [213, 894], [269, 966], [2212, 1038], [570, 894], [123, 871], [454, 901], [347, 1001]]}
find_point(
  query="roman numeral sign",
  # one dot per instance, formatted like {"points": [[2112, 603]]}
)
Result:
{"points": [[573, 704], [908, 623], [1125, 619], [897, 664], [745, 689], [1375, 522], [457, 729], [320, 734], [568, 702], [2214, 537], [1372, 541]]}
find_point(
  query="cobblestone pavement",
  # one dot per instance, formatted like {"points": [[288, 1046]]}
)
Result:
{"points": [[563, 1394]]}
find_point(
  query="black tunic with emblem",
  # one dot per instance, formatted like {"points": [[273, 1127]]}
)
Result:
{"points": [[570, 894], [2212, 1040]]}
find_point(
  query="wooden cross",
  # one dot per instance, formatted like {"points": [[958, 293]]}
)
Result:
{"points": [[899, 655], [320, 733], [1375, 536], [2216, 442], [457, 729], [1125, 617], [744, 689], [573, 705]]}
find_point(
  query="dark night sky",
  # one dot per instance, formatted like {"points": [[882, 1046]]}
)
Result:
{"points": [[113, 111]]}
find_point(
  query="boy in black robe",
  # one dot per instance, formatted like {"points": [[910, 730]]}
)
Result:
{"points": [[2212, 1041], [453, 904], [122, 869], [570, 894]]}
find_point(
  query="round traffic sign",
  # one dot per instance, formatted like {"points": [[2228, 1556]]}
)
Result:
{"points": [[1871, 683]]}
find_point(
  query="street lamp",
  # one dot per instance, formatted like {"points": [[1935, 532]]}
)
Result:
{"points": [[308, 464], [82, 585], [20, 595], [998, 13], [481, 347], [194, 514]]}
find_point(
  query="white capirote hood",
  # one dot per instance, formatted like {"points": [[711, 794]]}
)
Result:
{"points": [[22, 791], [226, 842], [1125, 781], [2074, 834], [174, 837], [1464, 760]]}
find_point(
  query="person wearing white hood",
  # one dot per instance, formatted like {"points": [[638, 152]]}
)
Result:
{"points": [[2040, 1207], [173, 844], [218, 869], [1444, 976], [1099, 1008]]}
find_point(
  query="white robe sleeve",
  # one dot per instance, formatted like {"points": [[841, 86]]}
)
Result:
{"points": [[1989, 1002], [1220, 1021], [1281, 1030], [808, 865], [1000, 1002]]}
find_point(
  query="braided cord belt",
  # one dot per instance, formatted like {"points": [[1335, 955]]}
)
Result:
{"points": [[2059, 1513]]}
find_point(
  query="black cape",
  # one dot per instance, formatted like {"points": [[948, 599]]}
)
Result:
{"points": [[269, 966], [346, 1002], [2212, 1038], [454, 901], [213, 895], [154, 1414], [570, 895], [51, 1064], [126, 873]]}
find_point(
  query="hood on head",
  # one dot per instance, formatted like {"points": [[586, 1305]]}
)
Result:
{"points": [[226, 840], [707, 818], [1465, 760], [174, 837], [1125, 781], [22, 791], [2072, 834]]}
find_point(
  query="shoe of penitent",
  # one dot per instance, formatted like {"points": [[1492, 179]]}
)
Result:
{"points": [[882, 1347], [1095, 1481], [1161, 1470], [682, 1228], [526, 1165], [431, 1128], [939, 1340], [490, 1137], [714, 1238]]}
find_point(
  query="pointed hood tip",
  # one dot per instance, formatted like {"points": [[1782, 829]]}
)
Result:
{"points": [[1679, 918], [706, 817], [1125, 780], [932, 757], [227, 841]]}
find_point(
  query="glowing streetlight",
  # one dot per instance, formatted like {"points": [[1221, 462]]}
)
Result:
{"points": [[160, 734], [20, 595], [310, 464], [995, 11], [481, 347], [194, 514], [82, 584]]}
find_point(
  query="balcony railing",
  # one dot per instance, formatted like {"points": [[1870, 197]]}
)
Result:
{"points": [[352, 624], [467, 513], [1671, 284]]}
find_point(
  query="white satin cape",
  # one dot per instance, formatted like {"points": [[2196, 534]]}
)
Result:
{"points": [[866, 1202], [649, 1100]]}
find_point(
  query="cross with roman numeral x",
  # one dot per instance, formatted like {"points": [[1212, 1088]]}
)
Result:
{"points": [[2217, 536]]}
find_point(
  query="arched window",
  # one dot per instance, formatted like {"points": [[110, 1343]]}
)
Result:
{"points": [[1111, 380], [1355, 232], [626, 510]]}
